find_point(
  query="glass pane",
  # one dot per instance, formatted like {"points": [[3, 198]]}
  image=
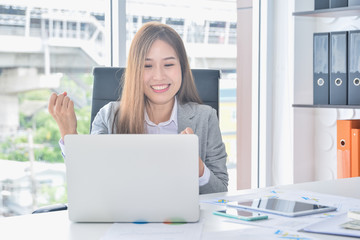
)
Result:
{"points": [[50, 46]]}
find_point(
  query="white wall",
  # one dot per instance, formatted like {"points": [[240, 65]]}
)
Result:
{"points": [[301, 76], [275, 94], [282, 93]]}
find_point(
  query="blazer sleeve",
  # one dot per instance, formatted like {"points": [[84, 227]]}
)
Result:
{"points": [[215, 158], [103, 121]]}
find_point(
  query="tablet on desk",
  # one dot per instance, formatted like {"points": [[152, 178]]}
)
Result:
{"points": [[283, 207]]}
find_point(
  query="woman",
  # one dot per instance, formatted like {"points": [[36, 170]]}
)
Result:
{"points": [[159, 97]]}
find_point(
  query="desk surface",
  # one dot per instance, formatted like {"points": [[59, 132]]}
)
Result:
{"points": [[57, 226]]}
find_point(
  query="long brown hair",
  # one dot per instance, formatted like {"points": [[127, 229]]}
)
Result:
{"points": [[129, 117]]}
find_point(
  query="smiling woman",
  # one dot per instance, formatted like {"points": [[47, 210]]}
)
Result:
{"points": [[159, 97], [156, 51]]}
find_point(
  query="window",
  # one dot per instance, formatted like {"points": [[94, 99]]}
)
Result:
{"points": [[45, 48], [53, 46]]}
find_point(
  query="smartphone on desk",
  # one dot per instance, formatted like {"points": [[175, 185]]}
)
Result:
{"points": [[241, 214]]}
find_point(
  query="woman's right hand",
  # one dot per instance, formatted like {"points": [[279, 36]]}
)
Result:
{"points": [[62, 110]]}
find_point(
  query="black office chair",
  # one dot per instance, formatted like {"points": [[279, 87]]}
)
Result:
{"points": [[107, 88]]}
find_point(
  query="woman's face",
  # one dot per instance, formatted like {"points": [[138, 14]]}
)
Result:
{"points": [[162, 74]]}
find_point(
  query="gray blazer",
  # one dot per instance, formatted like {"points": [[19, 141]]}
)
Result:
{"points": [[203, 120]]}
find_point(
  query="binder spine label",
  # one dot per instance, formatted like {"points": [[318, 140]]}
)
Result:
{"points": [[338, 68], [354, 68], [321, 68]]}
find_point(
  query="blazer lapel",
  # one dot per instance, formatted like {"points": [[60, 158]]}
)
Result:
{"points": [[185, 114]]}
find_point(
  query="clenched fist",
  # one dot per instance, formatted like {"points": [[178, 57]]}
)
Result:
{"points": [[61, 108]]}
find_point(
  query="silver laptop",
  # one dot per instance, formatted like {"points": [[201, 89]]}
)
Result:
{"points": [[132, 178]]}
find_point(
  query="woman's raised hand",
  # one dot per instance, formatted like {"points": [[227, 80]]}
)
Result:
{"points": [[61, 108]]}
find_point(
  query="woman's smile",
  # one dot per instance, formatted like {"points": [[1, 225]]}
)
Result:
{"points": [[159, 88]]}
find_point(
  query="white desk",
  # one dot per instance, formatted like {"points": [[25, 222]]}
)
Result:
{"points": [[57, 226]]}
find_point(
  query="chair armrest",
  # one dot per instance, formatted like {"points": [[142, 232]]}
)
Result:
{"points": [[51, 208]]}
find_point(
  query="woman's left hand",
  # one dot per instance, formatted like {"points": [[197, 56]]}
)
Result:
{"points": [[201, 164]]}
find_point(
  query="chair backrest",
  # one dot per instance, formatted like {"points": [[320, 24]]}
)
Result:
{"points": [[107, 87]]}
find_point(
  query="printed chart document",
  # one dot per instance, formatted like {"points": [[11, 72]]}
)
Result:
{"points": [[332, 226], [257, 233], [154, 231], [292, 223]]}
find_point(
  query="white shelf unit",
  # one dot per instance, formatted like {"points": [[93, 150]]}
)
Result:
{"points": [[314, 144]]}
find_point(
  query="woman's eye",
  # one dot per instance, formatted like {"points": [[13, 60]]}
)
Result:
{"points": [[148, 66], [169, 65]]}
